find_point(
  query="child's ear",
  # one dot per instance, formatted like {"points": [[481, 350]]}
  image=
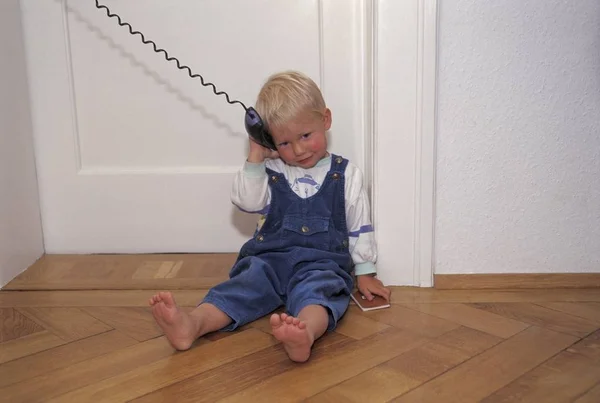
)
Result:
{"points": [[327, 119]]}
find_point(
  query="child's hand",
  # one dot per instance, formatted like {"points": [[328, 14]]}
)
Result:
{"points": [[259, 153], [368, 285]]}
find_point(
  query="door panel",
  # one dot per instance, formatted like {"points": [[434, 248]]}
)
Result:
{"points": [[132, 154]]}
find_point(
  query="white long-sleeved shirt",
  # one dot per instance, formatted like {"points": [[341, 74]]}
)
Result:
{"points": [[251, 193]]}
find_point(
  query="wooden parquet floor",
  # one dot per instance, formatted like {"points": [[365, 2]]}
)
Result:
{"points": [[77, 329]]}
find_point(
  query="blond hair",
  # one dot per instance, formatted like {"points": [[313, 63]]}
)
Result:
{"points": [[287, 94]]}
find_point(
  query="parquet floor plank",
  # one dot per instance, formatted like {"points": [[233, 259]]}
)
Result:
{"points": [[30, 344], [69, 324], [414, 321], [122, 272], [46, 386], [585, 310], [62, 356], [358, 324], [412, 295], [560, 379], [135, 322], [590, 396], [494, 368], [240, 374], [543, 317], [14, 325], [307, 380], [147, 378], [92, 298], [472, 317], [410, 369]]}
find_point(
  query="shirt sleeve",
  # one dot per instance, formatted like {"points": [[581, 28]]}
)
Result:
{"points": [[363, 248], [250, 191]]}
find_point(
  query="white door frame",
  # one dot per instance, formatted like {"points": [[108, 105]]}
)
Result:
{"points": [[402, 133]]}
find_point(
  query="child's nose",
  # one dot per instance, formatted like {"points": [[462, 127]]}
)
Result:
{"points": [[298, 149]]}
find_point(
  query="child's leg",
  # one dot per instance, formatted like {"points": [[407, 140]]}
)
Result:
{"points": [[253, 291], [298, 334], [182, 328], [318, 294]]}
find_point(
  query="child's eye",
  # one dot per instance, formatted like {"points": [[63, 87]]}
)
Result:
{"points": [[305, 136], [283, 144]]}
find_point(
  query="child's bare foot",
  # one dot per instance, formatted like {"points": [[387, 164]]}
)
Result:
{"points": [[180, 328], [294, 335]]}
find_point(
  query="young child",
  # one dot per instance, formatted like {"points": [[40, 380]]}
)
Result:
{"points": [[314, 232]]}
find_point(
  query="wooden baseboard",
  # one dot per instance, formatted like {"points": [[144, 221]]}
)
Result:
{"points": [[516, 281]]}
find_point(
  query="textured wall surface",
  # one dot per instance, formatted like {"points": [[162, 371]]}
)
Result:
{"points": [[518, 148]]}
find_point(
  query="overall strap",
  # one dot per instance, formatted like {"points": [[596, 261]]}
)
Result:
{"points": [[276, 178], [335, 189], [338, 164]]}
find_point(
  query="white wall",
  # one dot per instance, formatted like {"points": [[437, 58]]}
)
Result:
{"points": [[518, 170], [20, 228]]}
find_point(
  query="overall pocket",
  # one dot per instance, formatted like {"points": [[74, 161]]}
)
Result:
{"points": [[310, 232]]}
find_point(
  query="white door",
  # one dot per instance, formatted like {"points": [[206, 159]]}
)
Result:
{"points": [[132, 154]]}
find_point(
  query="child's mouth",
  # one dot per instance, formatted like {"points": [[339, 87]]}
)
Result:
{"points": [[304, 161]]}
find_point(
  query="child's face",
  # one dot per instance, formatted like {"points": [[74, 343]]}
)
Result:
{"points": [[303, 142]]}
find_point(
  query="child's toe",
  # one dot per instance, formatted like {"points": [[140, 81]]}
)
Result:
{"points": [[275, 320]]}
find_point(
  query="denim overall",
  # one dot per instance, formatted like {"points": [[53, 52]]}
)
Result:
{"points": [[298, 257]]}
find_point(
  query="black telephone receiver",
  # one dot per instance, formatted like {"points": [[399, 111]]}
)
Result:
{"points": [[253, 122], [257, 130]]}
